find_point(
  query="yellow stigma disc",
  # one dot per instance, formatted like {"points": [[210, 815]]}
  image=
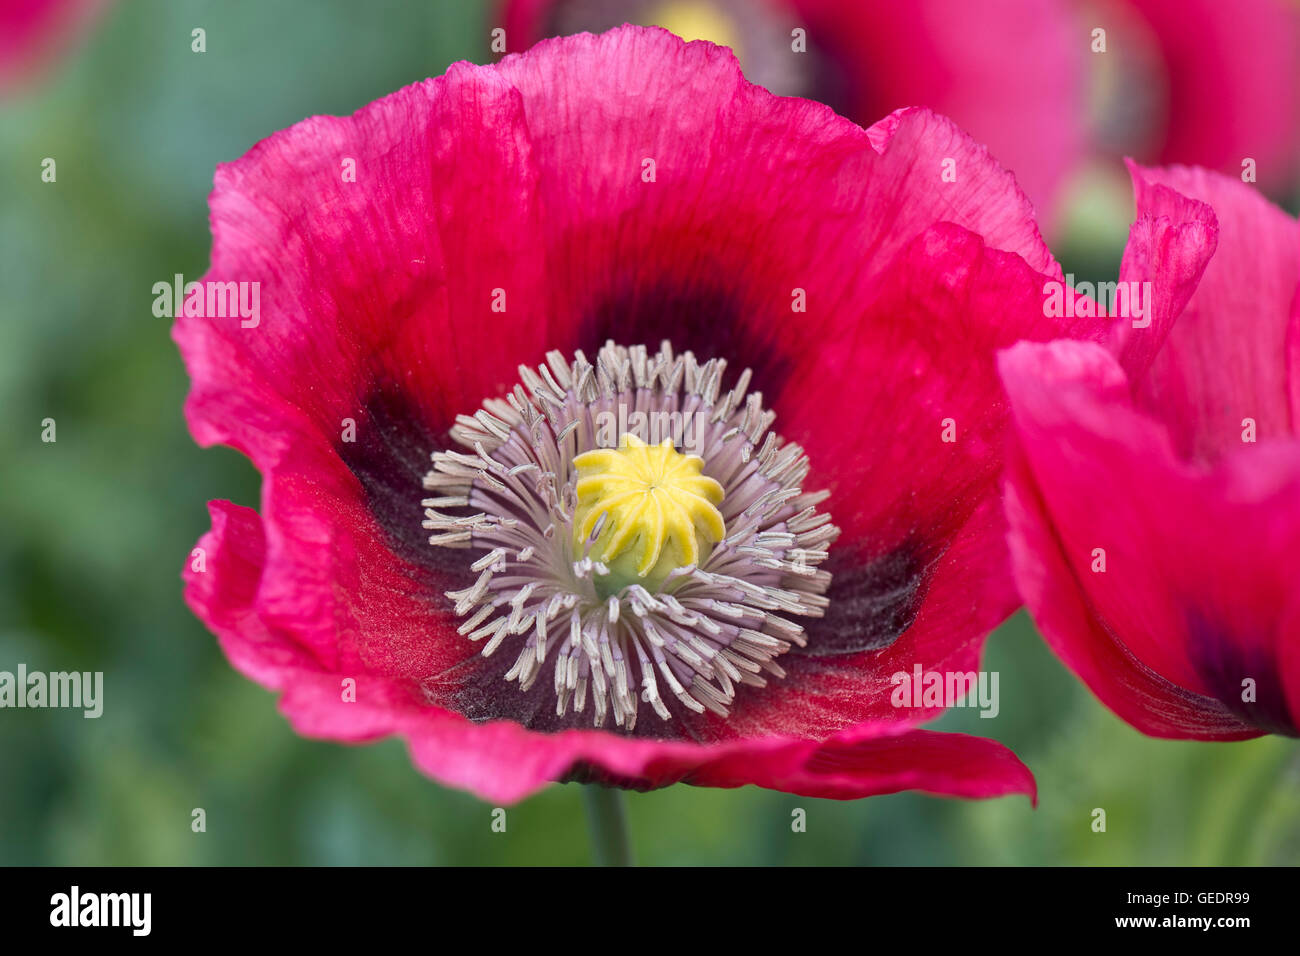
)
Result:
{"points": [[660, 512]]}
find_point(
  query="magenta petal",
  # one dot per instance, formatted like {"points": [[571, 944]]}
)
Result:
{"points": [[1223, 361], [221, 582], [867, 762], [1182, 611], [1169, 245], [1293, 361]]}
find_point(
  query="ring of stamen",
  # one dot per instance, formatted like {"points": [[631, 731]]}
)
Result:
{"points": [[722, 598]]}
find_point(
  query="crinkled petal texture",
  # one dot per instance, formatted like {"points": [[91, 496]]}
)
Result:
{"points": [[1231, 85], [1155, 535], [636, 188], [1010, 72]]}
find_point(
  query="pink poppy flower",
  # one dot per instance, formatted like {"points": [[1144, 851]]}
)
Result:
{"points": [[1010, 72], [1200, 82], [33, 31], [1155, 500], [461, 286]]}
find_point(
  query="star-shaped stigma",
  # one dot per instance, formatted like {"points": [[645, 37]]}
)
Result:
{"points": [[647, 509]]}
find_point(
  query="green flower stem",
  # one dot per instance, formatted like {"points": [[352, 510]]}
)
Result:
{"points": [[607, 820]]}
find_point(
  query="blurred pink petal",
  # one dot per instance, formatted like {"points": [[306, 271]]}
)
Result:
{"points": [[33, 32], [1203, 82]]}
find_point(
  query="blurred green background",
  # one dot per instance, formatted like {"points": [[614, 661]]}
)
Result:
{"points": [[95, 527]]}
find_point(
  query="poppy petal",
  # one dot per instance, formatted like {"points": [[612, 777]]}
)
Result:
{"points": [[1220, 363], [1163, 617]]}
